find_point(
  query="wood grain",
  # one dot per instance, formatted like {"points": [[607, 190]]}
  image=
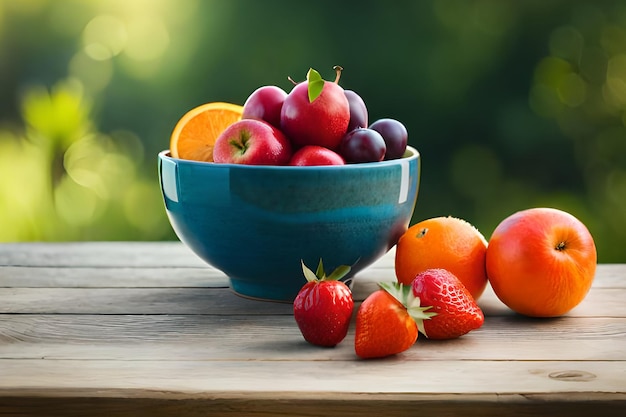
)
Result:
{"points": [[386, 387], [99, 254], [276, 337], [146, 328], [130, 404], [340, 378], [600, 302], [110, 277]]}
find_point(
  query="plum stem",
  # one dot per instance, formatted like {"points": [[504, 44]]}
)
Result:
{"points": [[291, 79], [338, 70]]}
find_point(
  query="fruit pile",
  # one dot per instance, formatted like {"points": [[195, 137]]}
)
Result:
{"points": [[436, 304], [540, 262], [317, 123]]}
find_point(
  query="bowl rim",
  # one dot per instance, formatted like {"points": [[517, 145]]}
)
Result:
{"points": [[410, 154]]}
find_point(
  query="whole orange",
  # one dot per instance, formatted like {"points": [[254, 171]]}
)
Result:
{"points": [[443, 242], [541, 262]]}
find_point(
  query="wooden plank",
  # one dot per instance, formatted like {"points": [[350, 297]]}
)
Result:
{"points": [[114, 254], [199, 337], [157, 254], [600, 302], [607, 275], [118, 277], [99, 254], [218, 301], [166, 277], [108, 259], [264, 405], [610, 276], [85, 276], [334, 379]]}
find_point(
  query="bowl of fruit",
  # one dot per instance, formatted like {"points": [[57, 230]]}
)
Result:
{"points": [[257, 190]]}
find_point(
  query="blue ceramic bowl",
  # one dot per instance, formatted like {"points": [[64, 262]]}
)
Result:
{"points": [[255, 223]]}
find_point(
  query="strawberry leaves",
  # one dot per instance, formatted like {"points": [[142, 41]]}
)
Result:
{"points": [[404, 295], [320, 275]]}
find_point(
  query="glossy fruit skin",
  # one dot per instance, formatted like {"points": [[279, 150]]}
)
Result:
{"points": [[395, 135], [252, 142], [358, 110], [195, 133], [383, 327], [457, 312], [322, 310], [363, 145], [541, 262], [265, 103], [322, 122], [312, 155], [443, 242]]}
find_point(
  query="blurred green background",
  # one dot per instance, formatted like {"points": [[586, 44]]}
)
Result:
{"points": [[512, 104]]}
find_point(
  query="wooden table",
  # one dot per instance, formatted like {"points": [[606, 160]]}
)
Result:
{"points": [[132, 329]]}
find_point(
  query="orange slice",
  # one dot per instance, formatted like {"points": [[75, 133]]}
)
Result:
{"points": [[195, 133]]}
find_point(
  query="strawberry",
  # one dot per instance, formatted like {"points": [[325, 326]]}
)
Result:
{"points": [[323, 307], [386, 321], [456, 311]]}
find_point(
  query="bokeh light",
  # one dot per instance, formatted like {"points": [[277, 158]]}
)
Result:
{"points": [[511, 104], [104, 37]]}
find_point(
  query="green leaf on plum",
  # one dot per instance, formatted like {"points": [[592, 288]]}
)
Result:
{"points": [[315, 84]]}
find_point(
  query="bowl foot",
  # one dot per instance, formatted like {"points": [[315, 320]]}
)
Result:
{"points": [[263, 292]]}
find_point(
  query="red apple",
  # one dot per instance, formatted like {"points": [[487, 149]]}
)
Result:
{"points": [[265, 103], [315, 155], [252, 142], [316, 112], [541, 262]]}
